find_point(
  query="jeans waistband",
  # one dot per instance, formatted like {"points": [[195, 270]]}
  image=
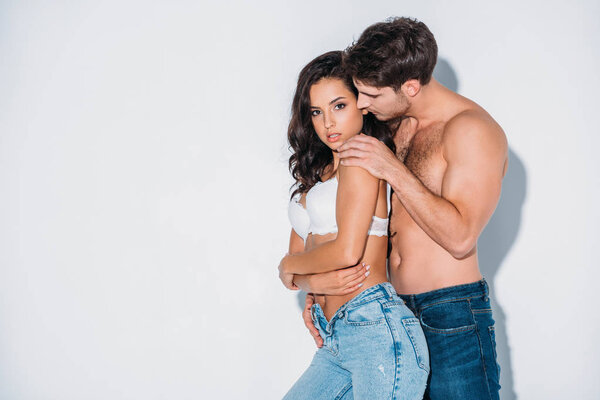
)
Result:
{"points": [[469, 290], [381, 290], [384, 289]]}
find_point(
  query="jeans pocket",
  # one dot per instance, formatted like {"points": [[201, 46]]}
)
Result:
{"points": [[413, 329], [448, 317], [369, 313]]}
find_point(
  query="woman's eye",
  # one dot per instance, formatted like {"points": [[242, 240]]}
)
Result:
{"points": [[339, 106], [314, 113]]}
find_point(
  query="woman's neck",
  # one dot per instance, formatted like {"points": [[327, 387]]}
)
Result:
{"points": [[331, 169], [336, 160]]}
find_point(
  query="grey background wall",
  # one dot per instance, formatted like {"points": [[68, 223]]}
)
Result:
{"points": [[143, 190]]}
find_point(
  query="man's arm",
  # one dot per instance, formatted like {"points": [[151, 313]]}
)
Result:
{"points": [[475, 151], [354, 212]]}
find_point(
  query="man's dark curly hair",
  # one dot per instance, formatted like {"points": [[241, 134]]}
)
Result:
{"points": [[390, 53]]}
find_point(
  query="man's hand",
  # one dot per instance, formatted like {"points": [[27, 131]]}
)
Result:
{"points": [[308, 302], [286, 278], [369, 153], [334, 283]]}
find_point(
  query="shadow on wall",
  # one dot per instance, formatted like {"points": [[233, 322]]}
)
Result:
{"points": [[497, 239], [493, 246]]}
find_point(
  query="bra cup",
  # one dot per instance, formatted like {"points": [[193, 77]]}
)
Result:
{"points": [[319, 215], [298, 218], [320, 205]]}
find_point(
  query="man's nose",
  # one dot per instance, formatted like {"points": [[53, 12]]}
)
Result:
{"points": [[362, 102]]}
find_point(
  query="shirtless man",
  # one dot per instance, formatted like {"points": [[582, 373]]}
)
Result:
{"points": [[446, 178]]}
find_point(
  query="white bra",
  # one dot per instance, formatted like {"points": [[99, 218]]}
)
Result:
{"points": [[318, 217]]}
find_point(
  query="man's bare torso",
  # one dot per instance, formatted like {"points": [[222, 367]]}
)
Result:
{"points": [[417, 263]]}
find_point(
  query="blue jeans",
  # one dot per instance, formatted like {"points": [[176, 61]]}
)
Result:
{"points": [[374, 348], [459, 328]]}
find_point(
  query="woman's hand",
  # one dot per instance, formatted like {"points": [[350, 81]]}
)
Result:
{"points": [[335, 283], [287, 278]]}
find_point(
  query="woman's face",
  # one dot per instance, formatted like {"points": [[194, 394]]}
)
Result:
{"points": [[335, 116]]}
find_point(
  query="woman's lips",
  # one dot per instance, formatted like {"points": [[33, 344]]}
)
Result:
{"points": [[333, 137]]}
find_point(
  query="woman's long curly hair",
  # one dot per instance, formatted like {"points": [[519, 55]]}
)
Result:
{"points": [[310, 156]]}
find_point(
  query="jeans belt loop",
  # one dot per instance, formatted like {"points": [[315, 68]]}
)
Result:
{"points": [[387, 291]]}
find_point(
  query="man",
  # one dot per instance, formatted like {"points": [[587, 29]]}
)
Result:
{"points": [[446, 178]]}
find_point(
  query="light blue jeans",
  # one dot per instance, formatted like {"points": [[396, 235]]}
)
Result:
{"points": [[374, 348]]}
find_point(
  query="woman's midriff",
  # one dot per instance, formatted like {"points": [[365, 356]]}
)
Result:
{"points": [[375, 255]]}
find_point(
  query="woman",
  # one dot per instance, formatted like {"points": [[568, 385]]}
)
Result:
{"points": [[374, 347]]}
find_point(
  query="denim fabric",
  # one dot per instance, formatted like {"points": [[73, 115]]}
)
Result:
{"points": [[374, 348], [459, 328]]}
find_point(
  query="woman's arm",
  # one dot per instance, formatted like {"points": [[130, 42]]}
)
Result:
{"points": [[296, 243], [296, 246], [339, 282], [333, 283], [355, 206]]}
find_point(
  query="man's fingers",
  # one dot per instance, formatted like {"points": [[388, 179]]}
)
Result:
{"points": [[306, 315], [309, 300], [357, 140], [307, 319], [353, 162], [313, 331], [308, 322], [315, 334], [356, 150], [319, 342]]}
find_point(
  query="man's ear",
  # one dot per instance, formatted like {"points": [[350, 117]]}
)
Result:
{"points": [[411, 87]]}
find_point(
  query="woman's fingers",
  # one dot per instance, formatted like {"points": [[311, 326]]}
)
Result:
{"points": [[356, 283], [352, 289], [360, 273], [349, 273]]}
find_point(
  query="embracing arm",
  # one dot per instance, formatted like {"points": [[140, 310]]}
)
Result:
{"points": [[354, 212], [475, 151]]}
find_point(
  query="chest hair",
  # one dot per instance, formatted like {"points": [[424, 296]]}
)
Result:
{"points": [[420, 152]]}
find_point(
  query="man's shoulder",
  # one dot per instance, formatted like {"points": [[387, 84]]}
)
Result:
{"points": [[473, 133], [472, 123]]}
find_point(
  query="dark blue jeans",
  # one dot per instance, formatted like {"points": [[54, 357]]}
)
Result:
{"points": [[459, 329]]}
